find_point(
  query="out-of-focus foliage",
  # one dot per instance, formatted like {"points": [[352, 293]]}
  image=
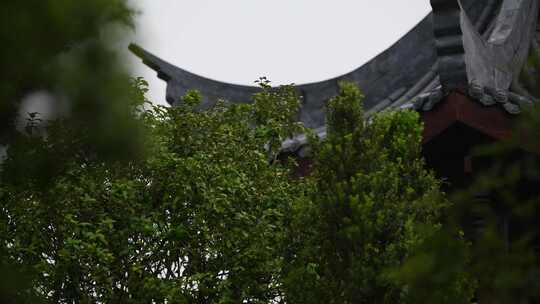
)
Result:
{"points": [[198, 220], [499, 212], [66, 50], [505, 251], [372, 193], [529, 79]]}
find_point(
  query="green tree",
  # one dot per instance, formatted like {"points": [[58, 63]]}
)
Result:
{"points": [[372, 203], [207, 213], [198, 219]]}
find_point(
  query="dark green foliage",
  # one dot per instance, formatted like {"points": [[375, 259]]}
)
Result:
{"points": [[436, 270], [505, 252], [498, 262], [372, 193], [528, 79]]}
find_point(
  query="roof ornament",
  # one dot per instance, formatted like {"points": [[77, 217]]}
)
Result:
{"points": [[495, 62], [486, 66]]}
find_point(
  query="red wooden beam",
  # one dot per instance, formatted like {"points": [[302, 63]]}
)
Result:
{"points": [[457, 107]]}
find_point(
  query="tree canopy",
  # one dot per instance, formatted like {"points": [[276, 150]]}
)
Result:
{"points": [[121, 201], [208, 214]]}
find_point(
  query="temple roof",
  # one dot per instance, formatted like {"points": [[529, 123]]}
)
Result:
{"points": [[438, 54]]}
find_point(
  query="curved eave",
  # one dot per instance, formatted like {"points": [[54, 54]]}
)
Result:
{"points": [[179, 81], [390, 80], [384, 78]]}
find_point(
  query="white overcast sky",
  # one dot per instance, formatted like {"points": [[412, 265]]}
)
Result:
{"points": [[288, 41]]}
